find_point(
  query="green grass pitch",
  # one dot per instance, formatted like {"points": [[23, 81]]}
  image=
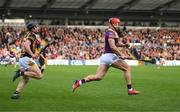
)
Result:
{"points": [[160, 90]]}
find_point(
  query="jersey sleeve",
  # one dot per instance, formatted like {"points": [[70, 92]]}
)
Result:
{"points": [[110, 34]]}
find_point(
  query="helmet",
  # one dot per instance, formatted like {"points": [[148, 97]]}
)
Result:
{"points": [[114, 20], [30, 26], [114, 23]]}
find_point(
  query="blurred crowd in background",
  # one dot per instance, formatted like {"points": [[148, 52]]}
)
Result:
{"points": [[84, 43]]}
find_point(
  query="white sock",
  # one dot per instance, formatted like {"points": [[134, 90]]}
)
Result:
{"points": [[80, 82]]}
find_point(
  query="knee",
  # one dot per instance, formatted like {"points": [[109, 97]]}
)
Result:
{"points": [[39, 75], [127, 68]]}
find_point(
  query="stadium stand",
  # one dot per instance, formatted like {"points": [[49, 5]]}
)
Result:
{"points": [[86, 42], [83, 43]]}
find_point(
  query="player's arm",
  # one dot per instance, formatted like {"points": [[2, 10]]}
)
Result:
{"points": [[114, 48], [121, 44], [27, 48]]}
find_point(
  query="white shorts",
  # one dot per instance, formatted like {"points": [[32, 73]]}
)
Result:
{"points": [[108, 58], [26, 62]]}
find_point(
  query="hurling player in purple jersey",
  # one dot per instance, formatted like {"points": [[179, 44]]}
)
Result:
{"points": [[111, 58]]}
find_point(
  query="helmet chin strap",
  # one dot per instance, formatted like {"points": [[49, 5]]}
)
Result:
{"points": [[114, 28]]}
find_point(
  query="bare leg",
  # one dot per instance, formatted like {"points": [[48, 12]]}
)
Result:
{"points": [[120, 64], [30, 73], [101, 71], [20, 87], [22, 84], [33, 72]]}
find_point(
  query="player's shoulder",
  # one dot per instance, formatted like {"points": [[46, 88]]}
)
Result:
{"points": [[30, 36], [109, 30], [110, 33]]}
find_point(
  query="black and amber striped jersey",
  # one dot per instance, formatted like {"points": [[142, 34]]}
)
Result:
{"points": [[37, 43]]}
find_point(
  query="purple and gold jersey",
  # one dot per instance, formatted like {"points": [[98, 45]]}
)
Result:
{"points": [[110, 34]]}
